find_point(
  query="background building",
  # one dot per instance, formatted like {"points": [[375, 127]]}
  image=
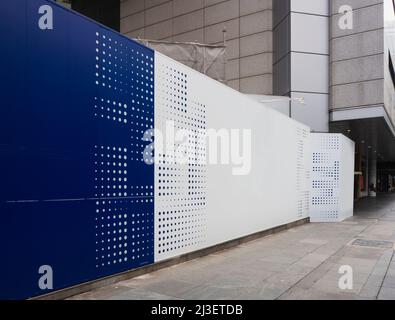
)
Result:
{"points": [[248, 25], [296, 49], [362, 100]]}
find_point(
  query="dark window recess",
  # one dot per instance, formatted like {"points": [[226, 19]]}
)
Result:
{"points": [[391, 67], [107, 12]]}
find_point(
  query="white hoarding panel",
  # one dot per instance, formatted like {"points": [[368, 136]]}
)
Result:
{"points": [[332, 177], [250, 174]]}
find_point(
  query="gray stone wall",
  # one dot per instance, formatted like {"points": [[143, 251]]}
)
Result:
{"points": [[248, 37], [357, 56], [389, 51]]}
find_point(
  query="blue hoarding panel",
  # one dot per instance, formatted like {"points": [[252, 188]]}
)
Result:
{"points": [[75, 193]]}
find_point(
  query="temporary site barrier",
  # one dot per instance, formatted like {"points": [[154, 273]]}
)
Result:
{"points": [[332, 177], [115, 157]]}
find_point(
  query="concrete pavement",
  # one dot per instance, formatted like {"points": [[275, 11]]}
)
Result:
{"points": [[299, 263]]}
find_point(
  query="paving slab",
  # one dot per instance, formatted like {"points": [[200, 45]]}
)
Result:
{"points": [[300, 263]]}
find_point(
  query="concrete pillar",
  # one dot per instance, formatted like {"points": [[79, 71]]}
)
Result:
{"points": [[301, 59], [372, 177]]}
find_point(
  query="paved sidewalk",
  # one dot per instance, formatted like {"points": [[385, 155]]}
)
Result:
{"points": [[300, 263]]}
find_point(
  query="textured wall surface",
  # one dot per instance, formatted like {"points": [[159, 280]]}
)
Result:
{"points": [[357, 57], [389, 51], [248, 24]]}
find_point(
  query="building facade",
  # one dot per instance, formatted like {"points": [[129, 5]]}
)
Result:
{"points": [[245, 25], [361, 89], [337, 56]]}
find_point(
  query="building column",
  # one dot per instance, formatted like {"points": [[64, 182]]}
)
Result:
{"points": [[301, 59], [372, 177]]}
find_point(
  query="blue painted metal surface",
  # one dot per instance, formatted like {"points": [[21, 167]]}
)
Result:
{"points": [[75, 193]]}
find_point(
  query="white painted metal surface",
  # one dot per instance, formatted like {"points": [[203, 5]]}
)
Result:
{"points": [[200, 206], [332, 177]]}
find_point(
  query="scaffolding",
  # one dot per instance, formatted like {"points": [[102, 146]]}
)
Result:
{"points": [[207, 59]]}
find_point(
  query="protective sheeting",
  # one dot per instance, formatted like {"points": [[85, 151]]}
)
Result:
{"points": [[207, 59]]}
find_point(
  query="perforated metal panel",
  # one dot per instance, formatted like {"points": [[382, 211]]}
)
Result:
{"points": [[200, 204], [75, 192], [332, 177], [180, 190], [303, 163], [124, 80]]}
